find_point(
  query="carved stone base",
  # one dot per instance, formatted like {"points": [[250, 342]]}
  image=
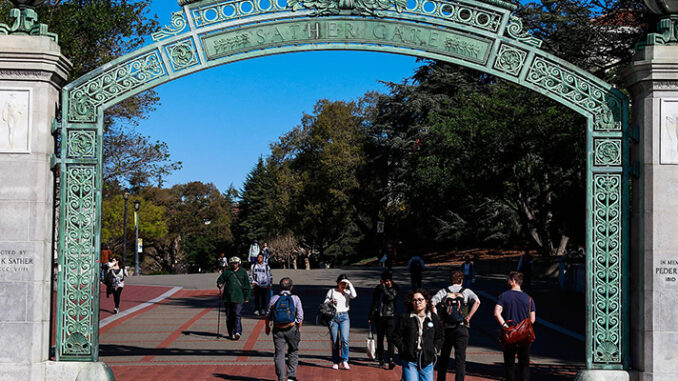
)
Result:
{"points": [[78, 371], [605, 375]]}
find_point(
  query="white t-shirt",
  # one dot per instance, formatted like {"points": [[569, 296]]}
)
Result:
{"points": [[342, 299]]}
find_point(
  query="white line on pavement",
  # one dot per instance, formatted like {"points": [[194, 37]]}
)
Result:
{"points": [[543, 322], [112, 318]]}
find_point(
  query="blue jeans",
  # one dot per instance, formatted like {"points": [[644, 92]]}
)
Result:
{"points": [[412, 373], [233, 314], [339, 330]]}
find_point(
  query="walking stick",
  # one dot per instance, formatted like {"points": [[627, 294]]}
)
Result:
{"points": [[219, 316]]}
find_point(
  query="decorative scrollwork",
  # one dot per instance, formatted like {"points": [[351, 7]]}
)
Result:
{"points": [[182, 55], [566, 84], [607, 152], [79, 275], [515, 30], [359, 7], [84, 99], [81, 144], [510, 60], [177, 24], [606, 268]]}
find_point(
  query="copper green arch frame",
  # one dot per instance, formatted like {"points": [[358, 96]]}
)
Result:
{"points": [[483, 35]]}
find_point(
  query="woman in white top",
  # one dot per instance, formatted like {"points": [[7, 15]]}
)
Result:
{"points": [[115, 281], [340, 324]]}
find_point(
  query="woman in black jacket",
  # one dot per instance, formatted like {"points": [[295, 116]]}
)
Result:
{"points": [[383, 314], [418, 337]]}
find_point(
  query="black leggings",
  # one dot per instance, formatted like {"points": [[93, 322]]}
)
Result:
{"points": [[116, 296]]}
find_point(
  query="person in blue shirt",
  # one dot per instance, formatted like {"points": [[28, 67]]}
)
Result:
{"points": [[515, 305]]}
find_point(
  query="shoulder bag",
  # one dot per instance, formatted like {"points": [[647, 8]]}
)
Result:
{"points": [[518, 334]]}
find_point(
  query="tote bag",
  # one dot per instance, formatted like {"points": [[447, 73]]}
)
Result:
{"points": [[371, 345]]}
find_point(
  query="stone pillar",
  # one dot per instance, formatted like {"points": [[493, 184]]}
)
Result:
{"points": [[32, 72], [653, 82]]}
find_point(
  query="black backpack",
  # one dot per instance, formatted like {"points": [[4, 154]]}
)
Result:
{"points": [[452, 309]]}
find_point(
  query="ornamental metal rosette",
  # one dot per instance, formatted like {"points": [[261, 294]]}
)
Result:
{"points": [[483, 35]]}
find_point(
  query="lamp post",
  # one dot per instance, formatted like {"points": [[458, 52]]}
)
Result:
{"points": [[124, 229], [137, 204]]}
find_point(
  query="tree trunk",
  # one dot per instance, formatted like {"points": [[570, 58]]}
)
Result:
{"points": [[307, 263], [563, 245]]}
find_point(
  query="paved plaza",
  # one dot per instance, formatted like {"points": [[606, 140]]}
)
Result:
{"points": [[168, 323]]}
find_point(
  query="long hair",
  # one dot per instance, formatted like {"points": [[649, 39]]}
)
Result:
{"points": [[410, 295]]}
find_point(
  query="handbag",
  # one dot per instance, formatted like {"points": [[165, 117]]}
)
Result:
{"points": [[371, 345], [326, 312], [521, 333]]}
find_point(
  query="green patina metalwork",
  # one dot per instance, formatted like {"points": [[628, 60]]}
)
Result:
{"points": [[26, 23], [483, 35]]}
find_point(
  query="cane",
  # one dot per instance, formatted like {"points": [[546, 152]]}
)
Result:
{"points": [[219, 316]]}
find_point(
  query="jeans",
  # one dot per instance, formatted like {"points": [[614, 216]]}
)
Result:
{"points": [[457, 338], [339, 330], [116, 296], [411, 372], [385, 327], [510, 352], [260, 298], [233, 314], [290, 338]]}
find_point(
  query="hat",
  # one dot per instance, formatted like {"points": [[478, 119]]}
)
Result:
{"points": [[234, 260]]}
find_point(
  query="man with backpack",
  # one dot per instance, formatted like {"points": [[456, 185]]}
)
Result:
{"points": [[416, 268], [287, 314], [262, 281], [452, 306]]}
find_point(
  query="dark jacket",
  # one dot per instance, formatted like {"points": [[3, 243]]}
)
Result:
{"points": [[236, 285], [406, 334], [384, 302]]}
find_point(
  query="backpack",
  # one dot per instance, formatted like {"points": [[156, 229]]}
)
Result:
{"points": [[284, 311], [452, 309]]}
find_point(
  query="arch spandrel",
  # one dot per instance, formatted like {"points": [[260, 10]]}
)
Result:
{"points": [[482, 35]]}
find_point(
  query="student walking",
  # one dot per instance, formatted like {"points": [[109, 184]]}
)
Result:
{"points": [[223, 262], [253, 252], [236, 292], [515, 305], [469, 272], [262, 282], [383, 314], [287, 314], [419, 336], [115, 281], [416, 267], [452, 306], [340, 324]]}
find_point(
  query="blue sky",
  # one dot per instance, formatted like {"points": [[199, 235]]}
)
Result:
{"points": [[219, 121]]}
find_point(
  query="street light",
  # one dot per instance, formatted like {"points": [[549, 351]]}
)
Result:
{"points": [[124, 230], [137, 204]]}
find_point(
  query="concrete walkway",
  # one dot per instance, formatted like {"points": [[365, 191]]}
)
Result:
{"points": [[175, 338]]}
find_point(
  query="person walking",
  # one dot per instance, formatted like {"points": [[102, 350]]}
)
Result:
{"points": [[340, 324], [115, 281], [266, 251], [469, 272], [416, 267], [390, 254], [253, 252], [418, 337], [452, 306], [262, 283], [287, 314], [383, 314], [515, 305], [236, 285], [223, 262]]}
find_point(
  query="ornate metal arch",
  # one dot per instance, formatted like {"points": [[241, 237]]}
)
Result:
{"points": [[483, 35]]}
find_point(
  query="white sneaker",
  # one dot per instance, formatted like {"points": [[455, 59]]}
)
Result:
{"points": [[256, 313], [345, 365], [115, 310], [335, 366]]}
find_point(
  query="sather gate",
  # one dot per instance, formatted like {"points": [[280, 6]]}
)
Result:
{"points": [[482, 35]]}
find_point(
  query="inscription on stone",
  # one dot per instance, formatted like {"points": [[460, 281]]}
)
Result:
{"points": [[667, 270], [14, 120], [15, 261], [236, 41]]}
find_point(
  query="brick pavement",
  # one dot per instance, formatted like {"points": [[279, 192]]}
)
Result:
{"points": [[175, 339]]}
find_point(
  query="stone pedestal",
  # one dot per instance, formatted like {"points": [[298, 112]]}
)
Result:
{"points": [[653, 82]]}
